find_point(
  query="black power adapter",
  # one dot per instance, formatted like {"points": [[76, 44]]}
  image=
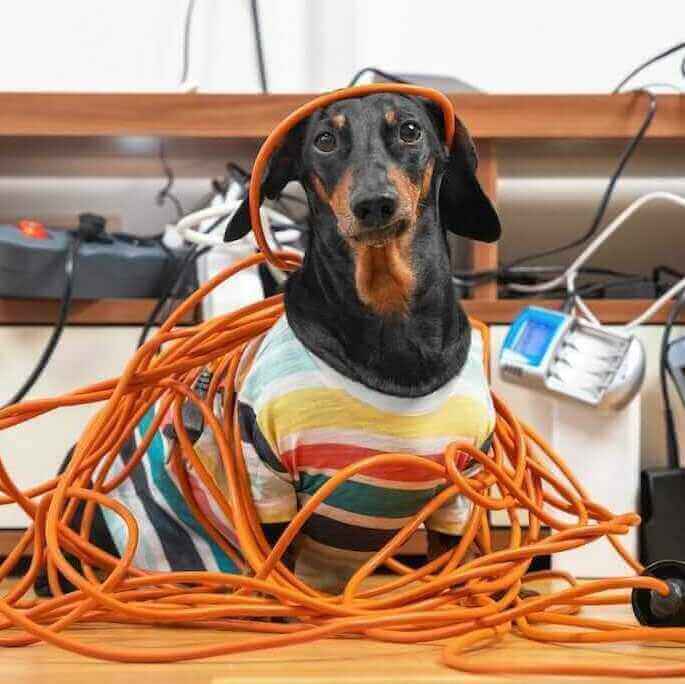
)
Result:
{"points": [[662, 534]]}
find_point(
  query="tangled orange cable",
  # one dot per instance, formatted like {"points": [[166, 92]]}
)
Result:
{"points": [[462, 601]]}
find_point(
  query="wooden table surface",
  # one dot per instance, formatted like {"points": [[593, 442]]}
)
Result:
{"points": [[327, 662]]}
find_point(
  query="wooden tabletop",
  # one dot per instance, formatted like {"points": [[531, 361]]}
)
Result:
{"points": [[325, 662]]}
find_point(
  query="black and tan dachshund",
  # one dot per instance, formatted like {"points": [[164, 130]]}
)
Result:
{"points": [[374, 297]]}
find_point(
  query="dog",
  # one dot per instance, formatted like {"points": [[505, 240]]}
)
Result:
{"points": [[373, 355]]}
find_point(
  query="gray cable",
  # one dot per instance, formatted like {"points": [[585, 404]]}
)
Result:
{"points": [[186, 42]]}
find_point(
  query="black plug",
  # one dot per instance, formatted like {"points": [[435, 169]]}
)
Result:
{"points": [[193, 420], [91, 227], [662, 507], [654, 610]]}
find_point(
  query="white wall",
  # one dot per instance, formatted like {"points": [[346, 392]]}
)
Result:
{"points": [[134, 45], [531, 46]]}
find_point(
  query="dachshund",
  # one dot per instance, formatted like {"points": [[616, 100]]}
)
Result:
{"points": [[375, 308], [373, 355]]}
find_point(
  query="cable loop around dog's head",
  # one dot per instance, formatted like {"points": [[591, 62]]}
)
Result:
{"points": [[279, 133]]}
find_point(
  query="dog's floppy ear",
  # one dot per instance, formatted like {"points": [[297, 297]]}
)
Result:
{"points": [[283, 167], [463, 206]]}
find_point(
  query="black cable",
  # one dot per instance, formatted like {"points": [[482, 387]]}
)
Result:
{"points": [[185, 68], [165, 193], [672, 446], [259, 47], [589, 289], [174, 284], [518, 274], [70, 263], [191, 256], [651, 61], [627, 154], [240, 175], [378, 72], [592, 288], [601, 209], [663, 269]]}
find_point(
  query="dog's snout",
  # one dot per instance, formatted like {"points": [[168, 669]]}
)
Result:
{"points": [[374, 211]]}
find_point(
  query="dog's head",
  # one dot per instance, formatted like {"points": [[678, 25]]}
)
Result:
{"points": [[373, 166]]}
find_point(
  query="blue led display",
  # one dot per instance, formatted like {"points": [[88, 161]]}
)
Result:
{"points": [[532, 332], [534, 338]]}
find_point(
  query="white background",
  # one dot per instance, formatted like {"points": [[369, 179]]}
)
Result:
{"points": [[532, 46]]}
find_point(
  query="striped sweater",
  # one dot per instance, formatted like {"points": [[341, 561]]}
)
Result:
{"points": [[300, 422]]}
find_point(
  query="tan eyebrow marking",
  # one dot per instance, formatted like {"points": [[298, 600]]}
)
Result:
{"points": [[408, 191], [340, 202], [338, 199], [339, 121], [391, 117], [427, 177], [319, 188]]}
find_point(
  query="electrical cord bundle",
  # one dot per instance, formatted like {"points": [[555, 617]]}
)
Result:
{"points": [[467, 603], [571, 273]]}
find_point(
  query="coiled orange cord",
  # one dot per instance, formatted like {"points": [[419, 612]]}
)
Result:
{"points": [[464, 602]]}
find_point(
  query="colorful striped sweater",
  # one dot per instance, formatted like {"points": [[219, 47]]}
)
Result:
{"points": [[300, 422]]}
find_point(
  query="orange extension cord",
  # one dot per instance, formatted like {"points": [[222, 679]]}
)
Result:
{"points": [[468, 603]]}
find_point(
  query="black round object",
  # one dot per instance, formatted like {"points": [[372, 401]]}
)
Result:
{"points": [[654, 610]]}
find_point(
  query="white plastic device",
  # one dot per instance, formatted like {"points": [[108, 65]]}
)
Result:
{"points": [[568, 356]]}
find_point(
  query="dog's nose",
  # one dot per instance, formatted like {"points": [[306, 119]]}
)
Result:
{"points": [[375, 211]]}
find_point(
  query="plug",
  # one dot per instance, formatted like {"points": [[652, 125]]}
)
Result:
{"points": [[91, 227], [191, 415], [662, 507], [652, 609]]}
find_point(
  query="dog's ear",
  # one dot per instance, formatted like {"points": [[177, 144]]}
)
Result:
{"points": [[283, 167], [463, 206]]}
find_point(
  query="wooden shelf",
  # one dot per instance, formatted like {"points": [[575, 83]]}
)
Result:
{"points": [[607, 310], [83, 312], [136, 311], [490, 118], [247, 116]]}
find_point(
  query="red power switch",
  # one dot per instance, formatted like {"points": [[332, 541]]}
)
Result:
{"points": [[33, 229]]}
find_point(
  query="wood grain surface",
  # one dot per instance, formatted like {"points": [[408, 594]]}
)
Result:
{"points": [[254, 116], [331, 661]]}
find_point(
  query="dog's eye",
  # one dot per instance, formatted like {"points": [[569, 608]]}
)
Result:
{"points": [[410, 131], [325, 142]]}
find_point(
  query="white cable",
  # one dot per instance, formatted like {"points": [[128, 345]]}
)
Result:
{"points": [[186, 228], [184, 84], [599, 240], [646, 315], [578, 300]]}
